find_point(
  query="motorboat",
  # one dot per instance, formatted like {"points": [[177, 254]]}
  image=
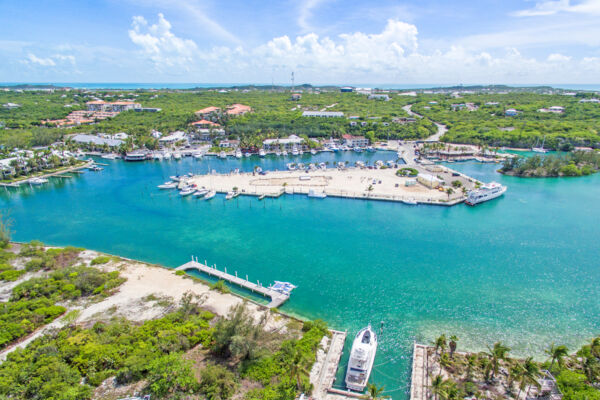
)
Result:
{"points": [[222, 155], [177, 155], [284, 153], [485, 193], [247, 155], [316, 195], [262, 153], [313, 152], [197, 155], [291, 166], [210, 195], [167, 155], [110, 156], [231, 195], [358, 149], [370, 149], [201, 192], [168, 185], [322, 165], [38, 181], [362, 356], [277, 153], [238, 154], [186, 191], [295, 151], [135, 156]]}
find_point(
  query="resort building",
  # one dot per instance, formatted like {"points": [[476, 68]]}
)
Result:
{"points": [[286, 144], [355, 141], [203, 123], [384, 97], [229, 144], [323, 114], [96, 140], [589, 101], [208, 111], [238, 109], [115, 106], [206, 135]]}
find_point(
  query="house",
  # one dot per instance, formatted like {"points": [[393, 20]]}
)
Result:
{"points": [[384, 97], [120, 135], [286, 143], [511, 112], [96, 140], [238, 109], [323, 114], [352, 123], [173, 138], [208, 111], [203, 123], [229, 144], [295, 96], [492, 103], [156, 134], [207, 135], [556, 109], [404, 120], [355, 141], [456, 107], [429, 181]]}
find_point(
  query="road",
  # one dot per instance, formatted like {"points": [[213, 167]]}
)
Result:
{"points": [[441, 129]]}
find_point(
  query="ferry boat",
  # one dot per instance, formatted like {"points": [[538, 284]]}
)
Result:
{"points": [[135, 156], [238, 154], [262, 153], [484, 193], [361, 359], [316, 195], [210, 195]]}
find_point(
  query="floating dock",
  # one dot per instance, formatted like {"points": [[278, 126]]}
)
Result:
{"points": [[277, 297]]}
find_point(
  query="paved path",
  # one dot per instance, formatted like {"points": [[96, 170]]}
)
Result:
{"points": [[442, 129], [419, 378]]}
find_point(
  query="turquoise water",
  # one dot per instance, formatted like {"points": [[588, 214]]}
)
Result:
{"points": [[523, 269]]}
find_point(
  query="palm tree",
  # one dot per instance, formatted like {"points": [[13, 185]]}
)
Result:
{"points": [[437, 386], [557, 353], [449, 192], [452, 344], [496, 354], [374, 392], [440, 343], [297, 367], [515, 374], [531, 373]]}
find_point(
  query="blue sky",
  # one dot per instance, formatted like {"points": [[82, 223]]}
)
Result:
{"points": [[323, 41]]}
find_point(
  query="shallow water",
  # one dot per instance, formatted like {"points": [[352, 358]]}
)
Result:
{"points": [[523, 269]]}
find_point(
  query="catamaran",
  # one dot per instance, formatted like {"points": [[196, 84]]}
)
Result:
{"points": [[361, 359], [484, 193], [539, 149]]}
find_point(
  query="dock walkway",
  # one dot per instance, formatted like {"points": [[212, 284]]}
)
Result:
{"points": [[323, 387], [419, 384], [277, 298]]}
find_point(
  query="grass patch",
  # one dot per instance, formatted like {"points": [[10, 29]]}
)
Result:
{"points": [[100, 260]]}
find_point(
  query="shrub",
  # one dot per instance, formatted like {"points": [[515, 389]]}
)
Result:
{"points": [[170, 375], [217, 382], [100, 260], [220, 286], [11, 275], [407, 171]]}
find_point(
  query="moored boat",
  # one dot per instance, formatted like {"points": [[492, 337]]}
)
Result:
{"points": [[316, 195], [362, 356], [210, 195], [186, 191], [168, 185], [38, 181], [201, 192], [135, 156], [484, 193], [231, 195], [238, 153], [262, 153]]}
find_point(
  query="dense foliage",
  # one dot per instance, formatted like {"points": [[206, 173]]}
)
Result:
{"points": [[576, 163]]}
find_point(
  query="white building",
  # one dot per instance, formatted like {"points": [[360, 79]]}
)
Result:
{"points": [[355, 141], [323, 114], [429, 181], [98, 141], [173, 137], [285, 143]]}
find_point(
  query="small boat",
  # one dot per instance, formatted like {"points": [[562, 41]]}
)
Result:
{"points": [[322, 165], [360, 164], [316, 195], [300, 166], [541, 149], [362, 356], [201, 192], [238, 154], [327, 150], [261, 153], [186, 191], [379, 163], [110, 156], [291, 166], [175, 178], [197, 155], [231, 195], [157, 156], [95, 168], [177, 155], [370, 149], [167, 155], [358, 149], [410, 202], [262, 196], [284, 153], [258, 170], [168, 185], [210, 195], [222, 155], [277, 153], [484, 193], [247, 154], [38, 181], [313, 152], [295, 151]]}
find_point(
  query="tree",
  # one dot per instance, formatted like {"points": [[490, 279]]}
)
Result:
{"points": [[440, 343], [374, 392], [217, 382], [449, 192], [531, 373], [237, 335], [557, 354], [5, 232], [496, 354], [452, 344], [171, 374], [437, 386]]}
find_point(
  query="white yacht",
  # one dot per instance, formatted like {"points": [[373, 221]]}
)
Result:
{"points": [[109, 156], [231, 195], [201, 192], [38, 181], [284, 153], [238, 153], [361, 359], [295, 151], [167, 155], [291, 166], [197, 155], [222, 155], [317, 195], [168, 185], [313, 152], [157, 156], [210, 195], [187, 191], [177, 155], [486, 192], [262, 153], [247, 155], [277, 153]]}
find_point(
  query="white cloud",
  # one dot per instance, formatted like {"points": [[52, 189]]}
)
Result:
{"points": [[305, 13], [44, 62], [160, 44], [551, 7], [557, 57]]}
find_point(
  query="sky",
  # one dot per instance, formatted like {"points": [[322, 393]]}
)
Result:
{"points": [[321, 41]]}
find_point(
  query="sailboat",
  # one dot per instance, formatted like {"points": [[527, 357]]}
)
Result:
{"points": [[540, 149]]}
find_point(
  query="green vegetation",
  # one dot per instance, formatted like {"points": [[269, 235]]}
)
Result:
{"points": [[407, 171], [577, 375], [220, 286], [576, 163], [100, 260]]}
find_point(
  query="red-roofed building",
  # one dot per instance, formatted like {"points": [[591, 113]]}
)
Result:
{"points": [[238, 109], [205, 112], [205, 124]]}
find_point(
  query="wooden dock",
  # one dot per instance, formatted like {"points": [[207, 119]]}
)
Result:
{"points": [[277, 298]]}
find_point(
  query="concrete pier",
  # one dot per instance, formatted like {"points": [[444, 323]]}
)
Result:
{"points": [[419, 382], [277, 298]]}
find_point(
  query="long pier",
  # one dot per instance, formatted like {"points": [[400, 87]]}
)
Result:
{"points": [[277, 298]]}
